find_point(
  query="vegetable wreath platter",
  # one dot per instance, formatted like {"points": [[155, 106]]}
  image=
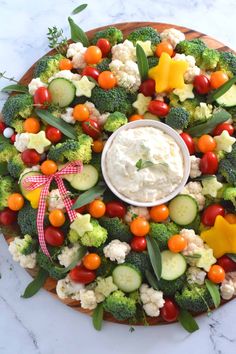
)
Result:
{"points": [[97, 254]]}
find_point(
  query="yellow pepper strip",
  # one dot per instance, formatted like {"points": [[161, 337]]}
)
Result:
{"points": [[221, 237], [33, 197], [168, 73]]}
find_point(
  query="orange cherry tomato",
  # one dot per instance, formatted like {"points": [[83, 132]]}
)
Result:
{"points": [[177, 243], [57, 218], [164, 47], [218, 78], [107, 80], [206, 143], [135, 117], [97, 209], [231, 218], [15, 201], [159, 213], [31, 125], [139, 227], [216, 274], [48, 167], [65, 64], [97, 146], [92, 261], [80, 112], [93, 55]]}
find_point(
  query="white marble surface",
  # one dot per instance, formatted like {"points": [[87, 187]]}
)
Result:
{"points": [[41, 324]]}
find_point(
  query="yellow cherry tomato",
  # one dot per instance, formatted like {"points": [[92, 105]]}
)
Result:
{"points": [[97, 209], [97, 146], [92, 261], [31, 125], [135, 117], [218, 78], [80, 112], [139, 227], [65, 64], [216, 274], [231, 218], [164, 47], [206, 143], [15, 201], [159, 213], [57, 218], [177, 243], [49, 167], [93, 55]]}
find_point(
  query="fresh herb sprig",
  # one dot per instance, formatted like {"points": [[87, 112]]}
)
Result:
{"points": [[57, 40], [3, 76], [141, 164]]}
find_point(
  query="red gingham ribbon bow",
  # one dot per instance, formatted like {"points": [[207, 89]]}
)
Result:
{"points": [[33, 182]]}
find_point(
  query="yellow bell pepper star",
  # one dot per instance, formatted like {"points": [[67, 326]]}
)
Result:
{"points": [[168, 73], [221, 237], [38, 141], [82, 224]]}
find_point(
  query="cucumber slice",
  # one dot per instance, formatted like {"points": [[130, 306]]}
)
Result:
{"points": [[86, 179], [24, 191], [62, 92], [173, 265], [228, 99], [127, 277], [183, 209]]}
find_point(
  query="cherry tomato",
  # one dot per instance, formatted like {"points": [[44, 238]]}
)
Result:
{"points": [[82, 275], [91, 71], [159, 213], [80, 210], [104, 45], [98, 146], [31, 125], [42, 97], [216, 274], [92, 261], [97, 209], [53, 134], [227, 264], [177, 243], [91, 128], [57, 218], [135, 117], [202, 84], [231, 218], [147, 87], [15, 201], [115, 209], [218, 78], [80, 112], [30, 157], [211, 212], [170, 311], [206, 143], [2, 127], [224, 126], [107, 80], [7, 217], [49, 167], [54, 236], [13, 138], [158, 108], [93, 55], [138, 244], [139, 227], [189, 142], [65, 64], [209, 163], [164, 47]]}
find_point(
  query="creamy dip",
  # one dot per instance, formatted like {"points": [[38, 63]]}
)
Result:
{"points": [[152, 149]]}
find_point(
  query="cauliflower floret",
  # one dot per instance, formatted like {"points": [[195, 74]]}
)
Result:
{"points": [[228, 286], [65, 74], [26, 261], [68, 116], [192, 70], [34, 85], [124, 51], [196, 276], [133, 212], [117, 251], [173, 36], [203, 111], [194, 242], [126, 74], [195, 170], [88, 299], [68, 255], [22, 141], [152, 300], [95, 114], [66, 288], [194, 189], [104, 288], [76, 52], [55, 200]]}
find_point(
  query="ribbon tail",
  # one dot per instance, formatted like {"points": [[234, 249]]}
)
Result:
{"points": [[68, 203], [40, 218]]}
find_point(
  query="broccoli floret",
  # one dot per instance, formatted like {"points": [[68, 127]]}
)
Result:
{"points": [[47, 67], [177, 118], [55, 110], [112, 34], [196, 299], [106, 267], [18, 125], [94, 238], [189, 104], [145, 34], [6, 188], [162, 233], [96, 161], [116, 229], [230, 194], [120, 306], [140, 260], [227, 63], [104, 65], [114, 121], [27, 218], [194, 47], [210, 58], [7, 151], [16, 166], [152, 61], [231, 156], [112, 100], [55, 271], [27, 245], [202, 113], [17, 106], [170, 287], [78, 129], [228, 171]]}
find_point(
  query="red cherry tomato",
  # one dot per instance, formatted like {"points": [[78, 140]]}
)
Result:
{"points": [[30, 157], [227, 264], [209, 163], [170, 311], [115, 209], [223, 126], [91, 128], [147, 87], [13, 138], [42, 97], [189, 142], [8, 217], [53, 134], [2, 127], [82, 275], [138, 244], [202, 84], [80, 210], [104, 45], [158, 108], [54, 236], [90, 71], [211, 212]]}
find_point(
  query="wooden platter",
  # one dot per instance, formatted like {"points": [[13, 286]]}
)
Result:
{"points": [[126, 28]]}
